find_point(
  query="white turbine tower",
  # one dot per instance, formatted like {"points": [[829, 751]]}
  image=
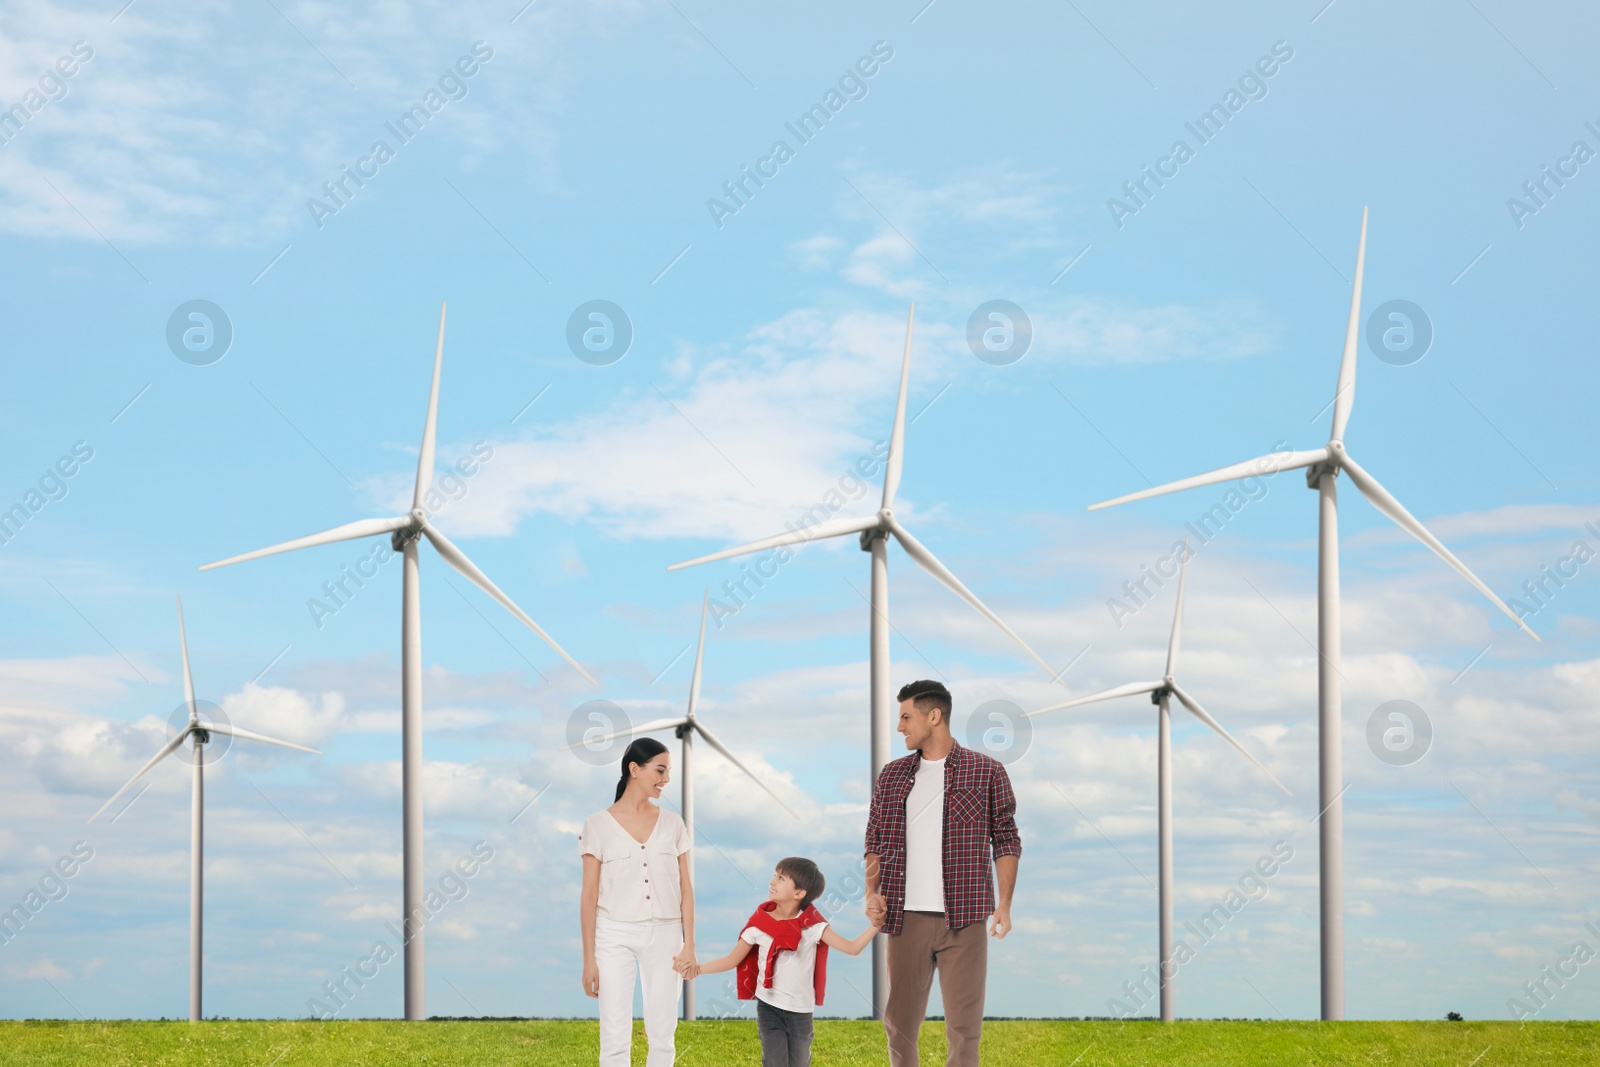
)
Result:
{"points": [[685, 727], [1323, 467], [1161, 690], [875, 531], [201, 733], [405, 531]]}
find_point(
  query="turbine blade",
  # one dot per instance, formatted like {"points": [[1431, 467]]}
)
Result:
{"points": [[699, 656], [1345, 397], [647, 728], [458, 559], [897, 438], [927, 562], [1177, 612], [166, 750], [1200, 713], [188, 679], [729, 756], [1131, 689], [430, 428], [831, 528], [1380, 498], [348, 532], [251, 735], [1270, 464]]}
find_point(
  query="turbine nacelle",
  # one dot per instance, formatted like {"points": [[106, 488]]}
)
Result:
{"points": [[201, 732], [1334, 457], [883, 524], [686, 725], [407, 528], [1167, 686]]}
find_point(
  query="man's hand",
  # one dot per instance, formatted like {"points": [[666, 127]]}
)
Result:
{"points": [[877, 909], [1000, 923]]}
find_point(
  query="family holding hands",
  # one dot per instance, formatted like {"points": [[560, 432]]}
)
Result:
{"points": [[942, 824]]}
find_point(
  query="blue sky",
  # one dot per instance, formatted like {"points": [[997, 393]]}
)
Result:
{"points": [[975, 164]]}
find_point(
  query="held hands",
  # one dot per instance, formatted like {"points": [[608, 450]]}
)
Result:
{"points": [[877, 909], [685, 964], [1000, 923]]}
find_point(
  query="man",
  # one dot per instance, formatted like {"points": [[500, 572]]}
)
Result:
{"points": [[936, 815]]}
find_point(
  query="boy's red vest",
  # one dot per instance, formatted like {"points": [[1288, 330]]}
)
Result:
{"points": [[785, 934]]}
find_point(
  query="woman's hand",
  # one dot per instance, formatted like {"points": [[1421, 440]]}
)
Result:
{"points": [[591, 979], [684, 963]]}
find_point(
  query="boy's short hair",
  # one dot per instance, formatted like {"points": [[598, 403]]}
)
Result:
{"points": [[926, 695], [805, 875]]}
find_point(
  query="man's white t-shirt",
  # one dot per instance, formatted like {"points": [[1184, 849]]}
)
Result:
{"points": [[794, 979], [925, 838]]}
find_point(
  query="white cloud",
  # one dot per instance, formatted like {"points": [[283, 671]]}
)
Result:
{"points": [[47, 968], [751, 441], [285, 713], [165, 135]]}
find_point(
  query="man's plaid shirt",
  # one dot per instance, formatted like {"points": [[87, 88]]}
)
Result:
{"points": [[979, 812]]}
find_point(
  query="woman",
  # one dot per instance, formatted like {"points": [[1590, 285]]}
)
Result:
{"points": [[638, 908]]}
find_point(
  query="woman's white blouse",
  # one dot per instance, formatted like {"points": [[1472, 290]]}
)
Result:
{"points": [[638, 883]]}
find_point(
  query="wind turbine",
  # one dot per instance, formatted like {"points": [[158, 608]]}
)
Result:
{"points": [[404, 533], [201, 733], [685, 727], [875, 531], [1322, 469], [1161, 691]]}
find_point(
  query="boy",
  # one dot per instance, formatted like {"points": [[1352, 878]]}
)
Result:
{"points": [[787, 971]]}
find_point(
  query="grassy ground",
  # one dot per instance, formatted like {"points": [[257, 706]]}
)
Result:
{"points": [[720, 1044]]}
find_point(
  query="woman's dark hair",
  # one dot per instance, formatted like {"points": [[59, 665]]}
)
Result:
{"points": [[642, 751]]}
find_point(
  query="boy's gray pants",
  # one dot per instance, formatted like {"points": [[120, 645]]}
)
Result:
{"points": [[785, 1036]]}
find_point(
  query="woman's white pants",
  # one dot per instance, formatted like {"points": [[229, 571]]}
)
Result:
{"points": [[620, 950]]}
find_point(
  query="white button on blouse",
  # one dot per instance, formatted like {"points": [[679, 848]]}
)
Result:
{"points": [[630, 891]]}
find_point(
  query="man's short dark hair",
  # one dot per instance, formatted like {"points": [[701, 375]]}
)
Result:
{"points": [[926, 695], [805, 875]]}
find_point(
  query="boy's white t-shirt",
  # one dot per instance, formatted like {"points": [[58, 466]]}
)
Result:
{"points": [[794, 979]]}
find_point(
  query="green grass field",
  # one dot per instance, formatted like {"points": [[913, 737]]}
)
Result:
{"points": [[718, 1044]]}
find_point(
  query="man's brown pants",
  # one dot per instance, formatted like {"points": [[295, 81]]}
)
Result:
{"points": [[961, 957]]}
